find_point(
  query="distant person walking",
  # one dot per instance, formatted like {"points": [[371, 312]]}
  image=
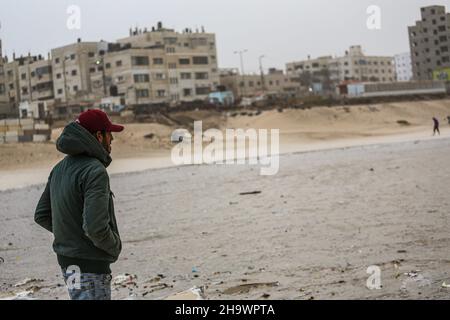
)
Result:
{"points": [[77, 207], [436, 127]]}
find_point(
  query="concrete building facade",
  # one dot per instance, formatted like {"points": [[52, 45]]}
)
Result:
{"points": [[72, 65], [275, 82], [403, 67], [429, 42], [182, 67], [353, 66], [3, 95]]}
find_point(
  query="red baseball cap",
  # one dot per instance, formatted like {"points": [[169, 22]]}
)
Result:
{"points": [[97, 120]]}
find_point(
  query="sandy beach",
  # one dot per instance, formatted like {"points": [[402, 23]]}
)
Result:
{"points": [[352, 192]]}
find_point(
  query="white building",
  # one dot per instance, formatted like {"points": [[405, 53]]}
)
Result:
{"points": [[355, 65], [403, 67]]}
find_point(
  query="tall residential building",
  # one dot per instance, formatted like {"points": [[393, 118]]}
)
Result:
{"points": [[403, 67], [354, 65], [274, 82], [71, 70], [172, 66], [3, 95], [12, 78], [429, 41]]}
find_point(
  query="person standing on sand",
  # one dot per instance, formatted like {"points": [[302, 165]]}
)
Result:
{"points": [[436, 126], [77, 207]]}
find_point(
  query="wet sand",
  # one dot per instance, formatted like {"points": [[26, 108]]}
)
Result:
{"points": [[310, 234]]}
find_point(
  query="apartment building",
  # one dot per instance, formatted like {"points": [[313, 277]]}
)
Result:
{"points": [[353, 66], [275, 82], [3, 95], [36, 79], [71, 70], [312, 66], [138, 75], [429, 41], [182, 66], [403, 67]]}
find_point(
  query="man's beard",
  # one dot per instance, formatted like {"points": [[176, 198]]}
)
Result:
{"points": [[106, 147]]}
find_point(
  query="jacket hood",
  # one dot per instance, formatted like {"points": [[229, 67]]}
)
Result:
{"points": [[76, 140]]}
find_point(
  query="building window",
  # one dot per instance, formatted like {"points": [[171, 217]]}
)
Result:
{"points": [[187, 92], [159, 76], [92, 70], [142, 93], [158, 61], [108, 66], [200, 60], [141, 78], [170, 50], [173, 81], [202, 90], [75, 88], [161, 93], [172, 65], [119, 63], [72, 57], [91, 54], [139, 61], [186, 75], [60, 91], [23, 76], [58, 76], [201, 75], [74, 72], [57, 60], [33, 74], [24, 90], [185, 61]]}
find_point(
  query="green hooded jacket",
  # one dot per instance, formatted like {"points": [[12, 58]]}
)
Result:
{"points": [[77, 204]]}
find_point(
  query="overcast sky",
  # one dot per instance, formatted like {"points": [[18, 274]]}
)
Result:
{"points": [[283, 30]]}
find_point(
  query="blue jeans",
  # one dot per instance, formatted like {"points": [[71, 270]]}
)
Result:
{"points": [[90, 286]]}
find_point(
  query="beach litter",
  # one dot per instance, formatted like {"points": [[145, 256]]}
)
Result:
{"points": [[245, 288], [23, 295], [194, 293], [156, 287], [125, 280], [413, 274], [27, 281], [249, 193]]}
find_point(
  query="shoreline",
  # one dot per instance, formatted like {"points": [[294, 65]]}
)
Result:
{"points": [[17, 179]]}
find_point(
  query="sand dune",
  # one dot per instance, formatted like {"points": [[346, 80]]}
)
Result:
{"points": [[300, 130]]}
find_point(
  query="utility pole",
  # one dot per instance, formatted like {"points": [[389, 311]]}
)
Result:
{"points": [[65, 80], [241, 55], [263, 85], [102, 62]]}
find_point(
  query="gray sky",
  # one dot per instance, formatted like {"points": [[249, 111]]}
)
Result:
{"points": [[283, 30]]}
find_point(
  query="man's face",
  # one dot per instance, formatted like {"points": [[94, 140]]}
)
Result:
{"points": [[105, 140]]}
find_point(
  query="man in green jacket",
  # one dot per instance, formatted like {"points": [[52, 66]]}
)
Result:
{"points": [[77, 207]]}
